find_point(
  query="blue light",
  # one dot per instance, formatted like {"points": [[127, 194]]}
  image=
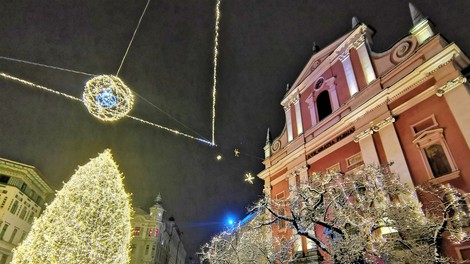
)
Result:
{"points": [[106, 98], [230, 221]]}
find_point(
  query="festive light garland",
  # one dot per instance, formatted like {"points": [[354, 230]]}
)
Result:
{"points": [[216, 55], [174, 131], [107, 98]]}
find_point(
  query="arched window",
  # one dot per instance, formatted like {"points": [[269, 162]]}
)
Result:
{"points": [[323, 105]]}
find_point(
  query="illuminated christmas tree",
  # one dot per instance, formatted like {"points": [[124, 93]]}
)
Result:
{"points": [[88, 222]]}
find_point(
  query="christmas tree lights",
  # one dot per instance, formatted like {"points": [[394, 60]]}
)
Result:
{"points": [[88, 222]]}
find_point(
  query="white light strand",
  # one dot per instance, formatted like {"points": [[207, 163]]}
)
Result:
{"points": [[216, 54], [174, 131], [7, 76], [132, 39], [46, 66]]}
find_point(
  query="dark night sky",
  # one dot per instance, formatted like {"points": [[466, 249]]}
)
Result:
{"points": [[264, 45]]}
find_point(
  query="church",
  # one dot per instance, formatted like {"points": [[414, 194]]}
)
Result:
{"points": [[351, 106]]}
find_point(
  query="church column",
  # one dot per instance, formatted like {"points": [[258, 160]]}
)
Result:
{"points": [[456, 95], [366, 143], [349, 72], [303, 174], [393, 150], [298, 116], [364, 58], [290, 135], [311, 107]]}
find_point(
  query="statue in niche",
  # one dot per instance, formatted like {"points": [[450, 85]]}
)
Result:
{"points": [[437, 160]]}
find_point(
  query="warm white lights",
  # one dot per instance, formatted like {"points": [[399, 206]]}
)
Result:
{"points": [[216, 55], [107, 98], [249, 178], [88, 222]]}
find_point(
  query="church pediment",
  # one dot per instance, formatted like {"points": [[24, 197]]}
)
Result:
{"points": [[322, 60]]}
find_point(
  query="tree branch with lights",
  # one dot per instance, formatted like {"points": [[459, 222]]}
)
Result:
{"points": [[370, 214]]}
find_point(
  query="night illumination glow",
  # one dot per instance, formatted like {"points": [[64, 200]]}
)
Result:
{"points": [[219, 157], [174, 131], [216, 55], [107, 98], [236, 152], [88, 221], [249, 178]]}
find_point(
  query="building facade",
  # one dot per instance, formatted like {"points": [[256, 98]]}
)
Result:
{"points": [[351, 106], [23, 194], [155, 240]]}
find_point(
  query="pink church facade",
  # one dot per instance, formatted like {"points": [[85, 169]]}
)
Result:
{"points": [[351, 106]]}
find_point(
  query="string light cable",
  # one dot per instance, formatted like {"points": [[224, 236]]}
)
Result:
{"points": [[73, 98], [214, 76], [132, 39]]}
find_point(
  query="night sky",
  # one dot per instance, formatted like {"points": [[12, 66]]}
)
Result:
{"points": [[264, 45]]}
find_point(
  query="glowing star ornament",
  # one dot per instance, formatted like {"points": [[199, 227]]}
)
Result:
{"points": [[88, 221], [107, 98], [249, 178], [236, 152]]}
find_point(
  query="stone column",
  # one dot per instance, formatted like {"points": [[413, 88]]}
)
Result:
{"points": [[311, 107], [298, 115], [456, 94], [364, 58], [368, 151], [349, 72], [290, 135], [393, 150]]}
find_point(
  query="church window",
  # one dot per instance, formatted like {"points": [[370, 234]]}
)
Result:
{"points": [[323, 105]]}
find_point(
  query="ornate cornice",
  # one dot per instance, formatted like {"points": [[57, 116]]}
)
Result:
{"points": [[450, 85], [363, 134], [374, 129], [383, 123]]}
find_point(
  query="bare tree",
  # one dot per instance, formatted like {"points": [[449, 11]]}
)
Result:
{"points": [[370, 215], [246, 243]]}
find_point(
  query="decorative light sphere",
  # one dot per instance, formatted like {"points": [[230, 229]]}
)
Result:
{"points": [[107, 98]]}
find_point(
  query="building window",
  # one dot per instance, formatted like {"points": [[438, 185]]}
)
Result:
{"points": [[436, 155], [4, 230], [323, 105], [31, 218], [463, 252], [147, 247], [14, 207], [333, 169], [23, 213], [23, 236], [150, 232], [13, 235], [136, 231], [280, 198], [3, 202], [4, 179], [354, 160]]}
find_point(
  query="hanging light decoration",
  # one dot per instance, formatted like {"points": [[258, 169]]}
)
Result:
{"points": [[107, 98]]}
